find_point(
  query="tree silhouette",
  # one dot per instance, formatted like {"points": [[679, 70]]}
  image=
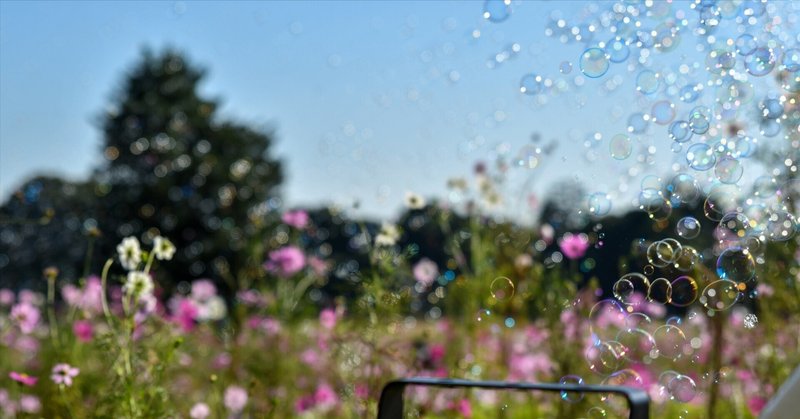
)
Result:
{"points": [[173, 167]]}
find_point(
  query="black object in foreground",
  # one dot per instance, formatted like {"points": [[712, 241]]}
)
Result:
{"points": [[391, 402]]}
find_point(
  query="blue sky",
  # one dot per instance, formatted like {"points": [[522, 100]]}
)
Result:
{"points": [[368, 99]]}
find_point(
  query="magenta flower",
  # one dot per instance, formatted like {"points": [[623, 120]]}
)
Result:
{"points": [[6, 297], [286, 261], [756, 404], [574, 246], [186, 314], [325, 397], [63, 374], [464, 408], [203, 289], [26, 316], [235, 399], [296, 218], [425, 271], [23, 378], [83, 330]]}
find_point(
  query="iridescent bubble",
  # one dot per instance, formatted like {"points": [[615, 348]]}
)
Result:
{"points": [[720, 295], [528, 157], [496, 10], [771, 108], [660, 291], [651, 182], [684, 291], [571, 397], [700, 119], [502, 288], [733, 227], [765, 186], [687, 258], [663, 112], [565, 67], [746, 44], [721, 200], [620, 147], [688, 228], [626, 377], [531, 84], [791, 59], [653, 256], [637, 342], [700, 157], [637, 321], [605, 319], [596, 412], [690, 93], [682, 388], [630, 284], [647, 82], [680, 131], [736, 264], [617, 50], [599, 204], [637, 123], [790, 81], [719, 60], [603, 358], [683, 188], [670, 341], [781, 226], [654, 203], [594, 62], [648, 269], [760, 62]]}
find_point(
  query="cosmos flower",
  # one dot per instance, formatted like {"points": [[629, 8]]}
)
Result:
{"points": [[203, 289], [296, 218], [130, 253], [414, 201], [425, 271], [286, 261], [163, 248], [327, 318], [26, 316], [83, 330], [235, 399], [63, 374], [388, 235], [200, 411], [23, 378], [29, 403], [574, 246], [138, 284]]}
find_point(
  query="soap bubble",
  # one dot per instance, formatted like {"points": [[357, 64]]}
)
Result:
{"points": [[720, 295], [660, 291], [637, 342], [781, 226], [733, 227], [565, 67], [700, 157], [791, 59], [571, 397], [736, 264], [620, 147], [594, 62], [683, 188], [647, 82], [760, 62], [599, 204], [629, 285], [604, 357], [617, 50], [605, 319], [484, 315], [680, 131], [687, 258], [682, 388], [684, 291], [688, 228], [746, 44], [662, 112], [502, 288], [728, 170], [531, 84], [670, 341], [496, 10], [700, 119]]}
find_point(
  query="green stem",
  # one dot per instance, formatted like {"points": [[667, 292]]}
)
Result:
{"points": [[51, 310], [103, 297]]}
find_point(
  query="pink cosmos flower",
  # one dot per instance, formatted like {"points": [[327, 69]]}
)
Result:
{"points": [[286, 261], [203, 289], [83, 330], [325, 397], [319, 266], [574, 246], [186, 314], [23, 378], [756, 405], [29, 403], [235, 398], [200, 411], [327, 318], [63, 374], [295, 218], [26, 316], [6, 297], [89, 298], [464, 408], [425, 271]]}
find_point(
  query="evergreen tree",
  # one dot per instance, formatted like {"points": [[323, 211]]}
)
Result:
{"points": [[174, 168]]}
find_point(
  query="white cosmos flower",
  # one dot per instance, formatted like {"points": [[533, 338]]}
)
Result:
{"points": [[138, 284], [388, 235], [130, 253], [414, 201], [163, 248], [212, 309]]}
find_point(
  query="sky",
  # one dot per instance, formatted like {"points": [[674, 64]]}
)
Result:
{"points": [[368, 100]]}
